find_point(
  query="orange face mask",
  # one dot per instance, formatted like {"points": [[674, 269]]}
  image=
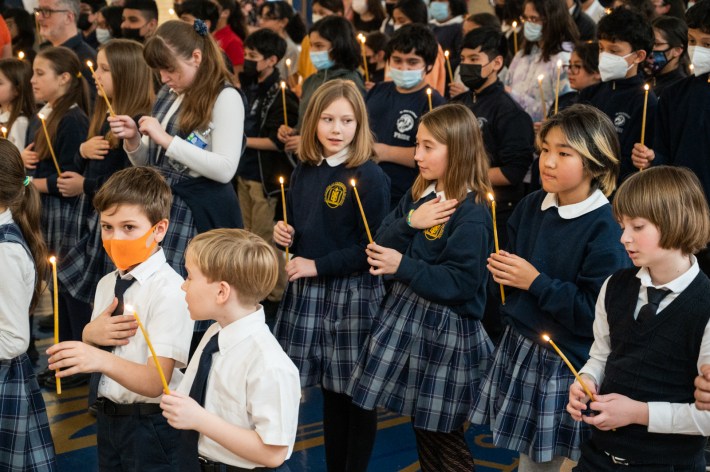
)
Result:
{"points": [[126, 253]]}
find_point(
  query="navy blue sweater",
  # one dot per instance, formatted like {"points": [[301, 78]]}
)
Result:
{"points": [[445, 264], [622, 101], [683, 128], [574, 257], [323, 210]]}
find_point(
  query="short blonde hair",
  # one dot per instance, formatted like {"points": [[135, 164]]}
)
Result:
{"points": [[672, 199], [310, 150], [242, 259]]}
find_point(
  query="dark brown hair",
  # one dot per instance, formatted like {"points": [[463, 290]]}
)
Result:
{"points": [[19, 74], [142, 186], [558, 27]]}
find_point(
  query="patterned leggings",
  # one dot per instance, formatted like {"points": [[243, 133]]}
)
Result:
{"points": [[443, 452]]}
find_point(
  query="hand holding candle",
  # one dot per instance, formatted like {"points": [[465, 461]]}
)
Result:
{"points": [[448, 66], [495, 239], [55, 294], [569, 364], [166, 390], [283, 204], [49, 144], [557, 85], [362, 211], [542, 96], [101, 88], [428, 95]]}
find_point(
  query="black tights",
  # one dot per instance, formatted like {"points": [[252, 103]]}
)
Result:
{"points": [[349, 433], [443, 452]]}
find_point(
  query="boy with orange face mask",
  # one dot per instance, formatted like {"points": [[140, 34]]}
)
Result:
{"points": [[134, 205]]}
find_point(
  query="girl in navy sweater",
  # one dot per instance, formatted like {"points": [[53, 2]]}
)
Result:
{"points": [[428, 350], [327, 309], [563, 244]]}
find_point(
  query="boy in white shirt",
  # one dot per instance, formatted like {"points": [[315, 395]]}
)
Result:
{"points": [[244, 391], [134, 205]]}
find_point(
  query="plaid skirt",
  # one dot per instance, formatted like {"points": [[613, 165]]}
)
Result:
{"points": [[422, 360], [524, 398], [58, 221], [323, 324], [25, 440]]}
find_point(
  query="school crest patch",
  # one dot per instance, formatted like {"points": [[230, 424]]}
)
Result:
{"points": [[434, 232], [335, 194]]}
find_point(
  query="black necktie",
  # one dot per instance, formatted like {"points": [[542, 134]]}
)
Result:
{"points": [[648, 311], [119, 290]]}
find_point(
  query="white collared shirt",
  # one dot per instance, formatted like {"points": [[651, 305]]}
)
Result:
{"points": [[663, 417], [16, 291], [160, 304], [575, 210], [252, 384], [432, 189], [17, 133], [336, 159]]}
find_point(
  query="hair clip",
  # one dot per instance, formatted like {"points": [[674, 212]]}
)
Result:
{"points": [[27, 181], [200, 27]]}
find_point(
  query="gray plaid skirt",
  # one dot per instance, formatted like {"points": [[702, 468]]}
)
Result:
{"points": [[25, 440], [524, 398], [57, 220], [323, 324], [422, 360]]}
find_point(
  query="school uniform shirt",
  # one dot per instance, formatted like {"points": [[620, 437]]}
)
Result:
{"points": [[17, 134], [160, 304], [664, 81], [394, 120], [15, 296], [683, 128], [622, 101], [252, 384], [663, 417]]}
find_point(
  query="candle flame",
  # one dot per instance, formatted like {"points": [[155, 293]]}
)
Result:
{"points": [[363, 39], [281, 180], [546, 338], [41, 116], [52, 260], [515, 24], [352, 182], [540, 77], [171, 11], [490, 197], [90, 64], [646, 87], [607, 11], [128, 308], [21, 55], [428, 91], [559, 63], [446, 54], [283, 84], [288, 62], [3, 129]]}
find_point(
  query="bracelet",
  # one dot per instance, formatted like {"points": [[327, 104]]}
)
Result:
{"points": [[409, 218]]}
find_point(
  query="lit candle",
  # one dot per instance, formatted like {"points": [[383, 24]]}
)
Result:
{"points": [[362, 211], [643, 117], [152, 351], [4, 132], [448, 66], [557, 86], [53, 261], [288, 66], [569, 364], [283, 204], [495, 239], [691, 67], [542, 96], [21, 55], [49, 144], [364, 56], [101, 88], [171, 11], [515, 37], [428, 96], [283, 99]]}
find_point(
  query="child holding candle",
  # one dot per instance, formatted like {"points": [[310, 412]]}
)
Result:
{"points": [[376, 62], [650, 333], [264, 160], [17, 104], [134, 205], [428, 350], [563, 245], [25, 439], [230, 270], [329, 303]]}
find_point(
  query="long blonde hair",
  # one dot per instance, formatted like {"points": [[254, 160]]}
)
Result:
{"points": [[467, 166]]}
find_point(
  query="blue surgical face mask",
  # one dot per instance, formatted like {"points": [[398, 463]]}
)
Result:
{"points": [[406, 79], [439, 10], [658, 62], [532, 31], [321, 60]]}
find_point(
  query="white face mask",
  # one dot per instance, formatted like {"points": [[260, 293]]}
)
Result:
{"points": [[532, 31], [359, 6], [397, 26], [700, 57], [316, 17], [613, 67], [103, 35]]}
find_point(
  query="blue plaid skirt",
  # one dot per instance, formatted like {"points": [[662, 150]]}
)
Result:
{"points": [[524, 398], [25, 440], [323, 324], [58, 220], [422, 360]]}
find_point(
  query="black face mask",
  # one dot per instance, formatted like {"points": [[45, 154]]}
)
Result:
{"points": [[390, 8], [249, 68], [471, 76], [132, 33], [84, 24]]}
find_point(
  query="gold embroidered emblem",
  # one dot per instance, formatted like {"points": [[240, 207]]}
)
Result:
{"points": [[434, 232], [335, 194]]}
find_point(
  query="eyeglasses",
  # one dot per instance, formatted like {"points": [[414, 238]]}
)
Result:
{"points": [[47, 12], [573, 68]]}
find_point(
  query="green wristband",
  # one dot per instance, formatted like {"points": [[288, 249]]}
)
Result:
{"points": [[409, 218]]}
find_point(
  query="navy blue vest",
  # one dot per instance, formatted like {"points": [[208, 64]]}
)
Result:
{"points": [[10, 233]]}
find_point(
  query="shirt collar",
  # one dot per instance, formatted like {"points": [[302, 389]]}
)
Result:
{"points": [[143, 271], [337, 158], [46, 110], [432, 189], [5, 116], [6, 217], [237, 331], [569, 212], [676, 285]]}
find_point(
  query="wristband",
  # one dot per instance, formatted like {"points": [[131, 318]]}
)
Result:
{"points": [[409, 218]]}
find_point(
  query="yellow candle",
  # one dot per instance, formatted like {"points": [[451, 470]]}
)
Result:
{"points": [[515, 36], [288, 66], [569, 364], [101, 88], [53, 261], [362, 211], [283, 99], [283, 204], [4, 132], [21, 55], [364, 56], [643, 117], [428, 95], [152, 351], [448, 66], [557, 86], [542, 96], [495, 239], [49, 144]]}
